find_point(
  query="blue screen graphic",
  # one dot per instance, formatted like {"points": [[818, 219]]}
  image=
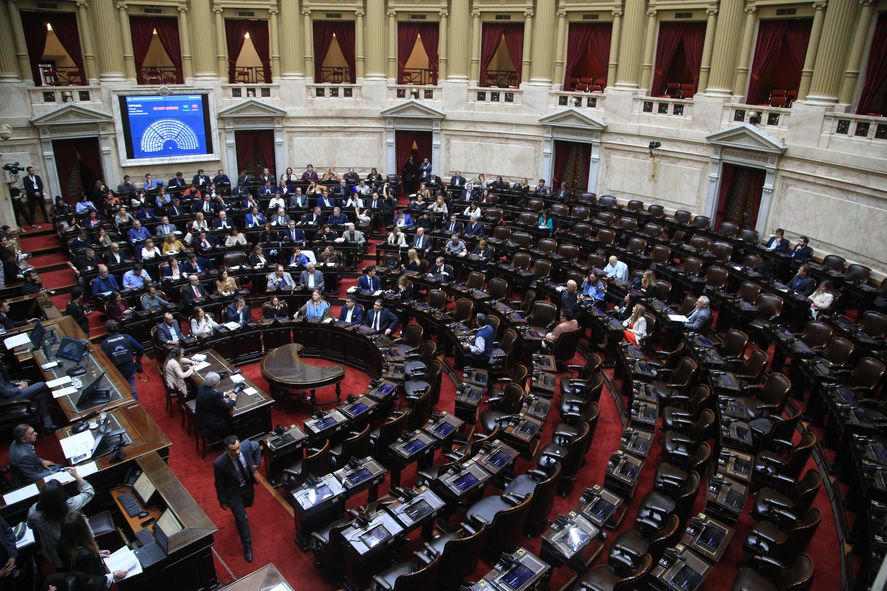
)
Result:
{"points": [[167, 126]]}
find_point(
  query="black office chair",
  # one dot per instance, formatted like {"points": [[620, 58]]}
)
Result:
{"points": [[316, 463], [505, 517], [542, 485], [460, 552], [355, 445], [414, 575]]}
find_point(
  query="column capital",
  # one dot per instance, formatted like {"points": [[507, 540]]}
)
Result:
{"points": [[217, 9], [652, 12], [617, 11], [360, 12], [306, 12], [561, 13], [475, 13], [711, 10], [273, 11], [751, 9], [121, 6], [820, 4], [529, 13], [443, 13], [391, 13], [182, 8], [79, 3]]}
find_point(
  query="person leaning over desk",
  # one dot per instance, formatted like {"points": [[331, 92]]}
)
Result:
{"points": [[45, 516], [214, 407]]}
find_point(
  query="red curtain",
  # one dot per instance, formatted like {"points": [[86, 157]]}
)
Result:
{"points": [[784, 38], [78, 165], [724, 193], [514, 42], [571, 160], [491, 36], [255, 146], [407, 34], [142, 35], [739, 198], [678, 55], [235, 30], [404, 141], [588, 51], [34, 25], [258, 32], [430, 33], [875, 72], [323, 39], [168, 33], [64, 25]]}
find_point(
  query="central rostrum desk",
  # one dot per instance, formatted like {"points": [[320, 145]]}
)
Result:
{"points": [[267, 578], [189, 561]]}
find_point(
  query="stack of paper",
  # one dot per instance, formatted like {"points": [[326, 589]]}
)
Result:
{"points": [[198, 357], [231, 325], [125, 560], [237, 378], [17, 340], [78, 445], [677, 317], [202, 365]]}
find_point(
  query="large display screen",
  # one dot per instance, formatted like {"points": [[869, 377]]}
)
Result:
{"points": [[157, 126]]}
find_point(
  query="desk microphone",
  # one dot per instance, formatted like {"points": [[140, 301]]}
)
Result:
{"points": [[83, 425]]}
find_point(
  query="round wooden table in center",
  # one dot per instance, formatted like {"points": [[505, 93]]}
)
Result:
{"points": [[286, 374]]}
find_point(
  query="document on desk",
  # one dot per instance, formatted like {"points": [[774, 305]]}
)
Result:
{"points": [[59, 381], [79, 444], [231, 325], [20, 494], [198, 357], [17, 340], [377, 293], [250, 391], [201, 366], [63, 477], [677, 317], [125, 560], [64, 392], [237, 378]]}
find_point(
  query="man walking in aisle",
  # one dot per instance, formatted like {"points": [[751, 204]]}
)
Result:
{"points": [[234, 472]]}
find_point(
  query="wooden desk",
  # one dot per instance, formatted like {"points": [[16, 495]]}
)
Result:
{"points": [[286, 373], [267, 578], [252, 412]]}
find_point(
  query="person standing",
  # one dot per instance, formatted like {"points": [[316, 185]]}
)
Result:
{"points": [[234, 472], [34, 190], [125, 352]]}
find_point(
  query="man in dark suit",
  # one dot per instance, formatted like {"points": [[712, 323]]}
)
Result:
{"points": [[475, 228], [234, 472], [441, 271], [204, 205], [115, 256], [368, 281], [421, 242], [26, 466], [19, 390], [351, 312], [381, 319], [777, 242], [222, 223], [237, 311], [8, 553], [178, 182], [802, 283], [169, 332], [802, 251], [266, 177], [201, 180], [453, 226], [34, 190], [196, 264], [193, 293]]}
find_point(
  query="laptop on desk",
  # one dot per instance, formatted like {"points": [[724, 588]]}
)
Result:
{"points": [[155, 551]]}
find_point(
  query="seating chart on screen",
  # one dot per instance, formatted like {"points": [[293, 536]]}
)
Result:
{"points": [[179, 136]]}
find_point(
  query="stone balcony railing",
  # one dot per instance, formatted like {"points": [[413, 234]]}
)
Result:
{"points": [[580, 100], [53, 96], [410, 91], [252, 90], [334, 91], [770, 118], [662, 108], [508, 96]]}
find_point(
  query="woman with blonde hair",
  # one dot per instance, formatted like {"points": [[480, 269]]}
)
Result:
{"points": [[636, 325]]}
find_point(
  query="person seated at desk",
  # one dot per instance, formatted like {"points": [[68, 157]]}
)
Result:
{"points": [[169, 332], [221, 178], [354, 200], [171, 245], [570, 299], [802, 283], [480, 349], [298, 259], [330, 256], [225, 284], [293, 235], [326, 234], [381, 319], [153, 299], [421, 242], [700, 318], [102, 239], [337, 217], [137, 234], [80, 242], [276, 309], [368, 281], [441, 271], [115, 254], [312, 218], [136, 278], [84, 206], [635, 325], [396, 238], [45, 516], [164, 228], [17, 390], [77, 310], [204, 205], [105, 284], [204, 243], [314, 309], [453, 226], [353, 236], [414, 263], [93, 222], [79, 552], [280, 218], [237, 311], [176, 369], [404, 290], [325, 201], [822, 299], [173, 271], [164, 202], [616, 269], [777, 242], [32, 283], [351, 312], [148, 251], [234, 239], [254, 218], [473, 212], [268, 190], [256, 258], [214, 407], [298, 200], [84, 263], [475, 228], [566, 323], [202, 323], [311, 278], [24, 463], [545, 222], [593, 289], [280, 279], [222, 223], [196, 264], [455, 246], [178, 182], [194, 292], [483, 251], [403, 220]]}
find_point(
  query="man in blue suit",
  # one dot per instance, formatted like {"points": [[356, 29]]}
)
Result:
{"points": [[480, 350], [104, 284], [475, 228], [380, 319], [237, 311], [368, 281], [351, 312], [777, 242], [802, 251], [169, 332]]}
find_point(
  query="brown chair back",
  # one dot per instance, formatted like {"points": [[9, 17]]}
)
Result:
{"points": [[660, 254], [437, 299], [464, 310], [543, 314], [498, 288], [734, 344], [874, 324], [816, 334], [475, 280], [716, 277], [656, 211]]}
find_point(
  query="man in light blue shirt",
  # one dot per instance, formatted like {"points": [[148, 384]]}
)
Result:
{"points": [[136, 278], [616, 269]]}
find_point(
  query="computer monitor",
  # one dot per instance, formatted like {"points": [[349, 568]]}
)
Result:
{"points": [[105, 440], [38, 334], [144, 488], [92, 395], [169, 523], [71, 349], [516, 577]]}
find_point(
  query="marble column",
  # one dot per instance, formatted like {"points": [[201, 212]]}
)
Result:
{"points": [[289, 31], [705, 66], [837, 32], [476, 27], [308, 29], [129, 64], [740, 83], [544, 37], [185, 41], [631, 41], [375, 46], [613, 62], [274, 41], [812, 48], [726, 43], [18, 37], [442, 47], [8, 61], [649, 50], [860, 37], [108, 43], [560, 49], [528, 44], [459, 32], [359, 42], [87, 41], [392, 45], [205, 57], [221, 42]]}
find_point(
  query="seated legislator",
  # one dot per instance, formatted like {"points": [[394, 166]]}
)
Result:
{"points": [[196, 264], [700, 318], [326, 234], [311, 278], [257, 259], [255, 218], [148, 251], [330, 256], [222, 223], [137, 234], [115, 255], [440, 271], [368, 281], [570, 299], [171, 245], [403, 220], [24, 463], [15, 390], [202, 323], [117, 308], [777, 242], [280, 218], [164, 228], [276, 309], [414, 263], [566, 323], [381, 319], [822, 299], [173, 271], [351, 312], [293, 235], [169, 332], [194, 292], [635, 325], [353, 236], [421, 242], [312, 218], [77, 549], [616, 269], [225, 284], [105, 284], [204, 243], [396, 238], [298, 259], [214, 407], [404, 290], [475, 228], [280, 280], [235, 238], [802, 251], [453, 226], [136, 278], [480, 349], [593, 289], [176, 369], [802, 282], [337, 218], [483, 251], [455, 246], [237, 311], [314, 309]]}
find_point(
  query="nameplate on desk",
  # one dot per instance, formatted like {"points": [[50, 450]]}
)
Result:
{"points": [[21, 494], [677, 318], [63, 392]]}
